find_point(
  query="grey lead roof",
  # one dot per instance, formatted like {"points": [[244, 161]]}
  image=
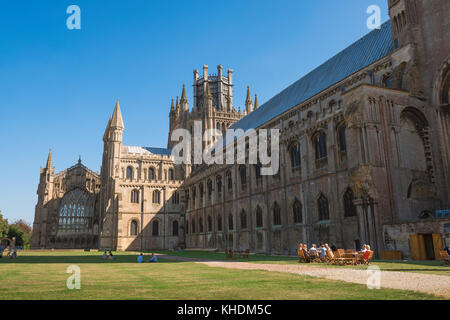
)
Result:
{"points": [[160, 151], [370, 48]]}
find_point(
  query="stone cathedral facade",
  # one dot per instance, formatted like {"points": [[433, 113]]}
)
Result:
{"points": [[364, 158]]}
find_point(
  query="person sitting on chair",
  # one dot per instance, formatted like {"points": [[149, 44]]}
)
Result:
{"points": [[306, 253], [364, 248], [153, 258], [323, 252], [447, 248]]}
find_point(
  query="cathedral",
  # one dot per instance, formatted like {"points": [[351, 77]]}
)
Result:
{"points": [[364, 159]]}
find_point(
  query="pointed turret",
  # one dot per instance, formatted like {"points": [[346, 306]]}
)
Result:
{"points": [[116, 120], [108, 126], [172, 108], [49, 160], [256, 102], [208, 90], [184, 101], [177, 108], [248, 102]]}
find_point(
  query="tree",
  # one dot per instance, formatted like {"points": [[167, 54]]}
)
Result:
{"points": [[23, 225], [22, 238], [3, 226], [21, 231]]}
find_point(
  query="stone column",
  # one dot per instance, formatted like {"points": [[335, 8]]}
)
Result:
{"points": [[361, 209]]}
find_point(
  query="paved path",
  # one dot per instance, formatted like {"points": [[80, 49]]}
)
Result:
{"points": [[427, 283]]}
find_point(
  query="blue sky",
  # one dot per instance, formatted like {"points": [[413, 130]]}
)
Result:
{"points": [[58, 87]]}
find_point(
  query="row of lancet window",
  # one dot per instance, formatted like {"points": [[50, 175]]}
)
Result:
{"points": [[319, 141], [134, 228], [322, 208], [151, 174], [156, 196], [320, 147]]}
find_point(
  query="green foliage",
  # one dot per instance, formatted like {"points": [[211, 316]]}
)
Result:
{"points": [[22, 237], [3, 226]]}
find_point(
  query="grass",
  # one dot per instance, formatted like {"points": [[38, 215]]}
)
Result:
{"points": [[425, 267], [42, 275]]}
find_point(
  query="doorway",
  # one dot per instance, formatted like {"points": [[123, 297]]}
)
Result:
{"points": [[429, 248], [425, 246]]}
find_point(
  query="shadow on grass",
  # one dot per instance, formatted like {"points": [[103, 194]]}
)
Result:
{"points": [[78, 259]]}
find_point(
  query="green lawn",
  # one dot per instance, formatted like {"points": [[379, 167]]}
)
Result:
{"points": [[425, 267], [42, 275]]}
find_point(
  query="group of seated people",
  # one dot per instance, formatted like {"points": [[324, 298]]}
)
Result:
{"points": [[320, 253], [314, 252], [153, 258], [108, 256]]}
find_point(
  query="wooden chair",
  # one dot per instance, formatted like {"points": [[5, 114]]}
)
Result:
{"points": [[341, 253], [314, 256], [306, 255], [334, 258], [367, 258], [301, 256], [360, 258], [444, 257]]}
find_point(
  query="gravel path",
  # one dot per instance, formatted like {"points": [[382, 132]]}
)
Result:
{"points": [[427, 283]]}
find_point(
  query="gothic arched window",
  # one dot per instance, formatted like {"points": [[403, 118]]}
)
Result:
{"points": [[276, 215], [133, 228], [200, 189], [175, 228], [219, 184], [230, 221], [243, 219], [156, 196], [175, 197], [349, 207], [155, 228], [341, 136], [76, 211], [209, 224], [243, 176], [200, 224], [320, 145], [209, 187], [135, 196], [219, 223], [171, 175], [129, 173], [151, 174], [297, 211], [229, 180], [322, 206], [193, 225], [259, 217], [294, 152]]}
